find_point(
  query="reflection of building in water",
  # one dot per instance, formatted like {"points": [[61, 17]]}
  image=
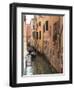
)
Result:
{"points": [[28, 69], [46, 36]]}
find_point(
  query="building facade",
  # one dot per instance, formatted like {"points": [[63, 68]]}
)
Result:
{"points": [[28, 35]]}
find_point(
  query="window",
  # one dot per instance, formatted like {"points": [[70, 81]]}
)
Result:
{"points": [[40, 35], [46, 25], [36, 26], [24, 18], [55, 35], [55, 30], [33, 27], [39, 23], [50, 31], [36, 35], [44, 28]]}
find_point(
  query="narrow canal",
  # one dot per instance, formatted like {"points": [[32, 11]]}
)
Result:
{"points": [[39, 65]]}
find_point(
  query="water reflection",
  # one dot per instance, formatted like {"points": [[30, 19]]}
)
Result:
{"points": [[37, 64], [28, 64]]}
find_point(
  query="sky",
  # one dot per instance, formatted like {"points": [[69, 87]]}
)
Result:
{"points": [[28, 18]]}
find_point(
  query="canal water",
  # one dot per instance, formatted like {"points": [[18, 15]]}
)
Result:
{"points": [[39, 65]]}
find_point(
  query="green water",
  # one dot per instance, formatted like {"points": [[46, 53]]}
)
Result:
{"points": [[41, 65]]}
